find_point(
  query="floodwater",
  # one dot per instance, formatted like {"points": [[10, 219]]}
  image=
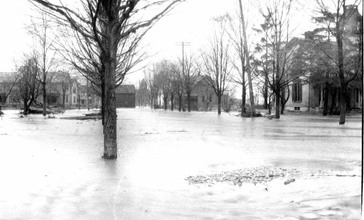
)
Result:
{"points": [[52, 168]]}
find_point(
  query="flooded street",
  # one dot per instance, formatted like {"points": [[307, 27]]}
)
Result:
{"points": [[52, 168]]}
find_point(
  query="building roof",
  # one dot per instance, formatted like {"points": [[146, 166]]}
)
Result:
{"points": [[125, 89]]}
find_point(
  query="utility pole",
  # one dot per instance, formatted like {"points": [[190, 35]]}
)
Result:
{"points": [[183, 44], [251, 93]]}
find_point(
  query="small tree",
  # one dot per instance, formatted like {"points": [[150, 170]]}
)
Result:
{"points": [[28, 82], [153, 88], [163, 80], [276, 38], [217, 62], [189, 77], [178, 85], [40, 30], [175, 83]]}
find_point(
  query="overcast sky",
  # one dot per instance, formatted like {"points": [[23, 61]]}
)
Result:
{"points": [[190, 21]]}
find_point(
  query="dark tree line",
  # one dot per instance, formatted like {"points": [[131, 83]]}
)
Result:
{"points": [[344, 56]]}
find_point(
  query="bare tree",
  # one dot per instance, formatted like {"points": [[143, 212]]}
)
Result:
{"points": [[153, 87], [162, 78], [40, 30], [239, 39], [108, 25], [178, 85], [277, 33], [85, 56], [263, 64], [175, 83], [189, 77], [217, 62], [28, 82], [166, 78]]}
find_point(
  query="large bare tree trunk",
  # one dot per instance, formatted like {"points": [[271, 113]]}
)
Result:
{"points": [[165, 100], [151, 100], [172, 102], [243, 99], [283, 96], [44, 95], [342, 103], [109, 55], [106, 25], [219, 104], [266, 91], [25, 107], [277, 85], [278, 100], [110, 143]]}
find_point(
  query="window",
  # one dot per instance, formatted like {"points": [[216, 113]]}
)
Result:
{"points": [[297, 92], [66, 98], [74, 100]]}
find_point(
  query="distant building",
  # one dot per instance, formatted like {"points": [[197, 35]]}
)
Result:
{"points": [[62, 91], [125, 96], [203, 98], [9, 92], [309, 94]]}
